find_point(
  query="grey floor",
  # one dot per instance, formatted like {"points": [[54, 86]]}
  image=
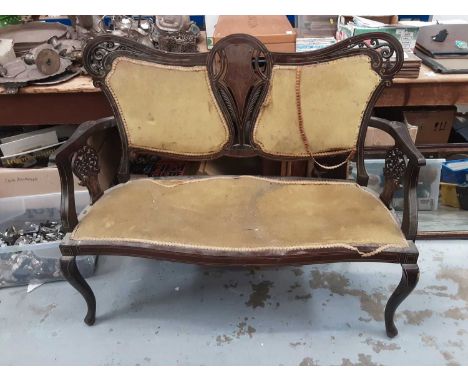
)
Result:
{"points": [[159, 313]]}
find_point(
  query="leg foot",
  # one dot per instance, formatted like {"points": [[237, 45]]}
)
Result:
{"points": [[409, 279], [72, 274]]}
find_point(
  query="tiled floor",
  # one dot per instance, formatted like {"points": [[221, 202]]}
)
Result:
{"points": [[159, 313]]}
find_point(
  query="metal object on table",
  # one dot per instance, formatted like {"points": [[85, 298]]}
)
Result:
{"points": [[43, 50], [48, 61], [168, 33], [46, 52], [40, 63], [176, 34], [6, 51], [30, 35]]}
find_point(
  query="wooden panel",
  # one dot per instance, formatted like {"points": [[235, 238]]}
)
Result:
{"points": [[52, 108], [425, 94]]}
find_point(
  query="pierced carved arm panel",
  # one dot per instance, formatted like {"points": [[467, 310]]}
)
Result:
{"points": [[394, 171], [85, 165]]}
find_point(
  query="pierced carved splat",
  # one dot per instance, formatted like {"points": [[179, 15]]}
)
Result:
{"points": [[240, 69], [85, 166], [394, 170]]}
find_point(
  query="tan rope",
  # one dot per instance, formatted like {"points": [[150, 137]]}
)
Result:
{"points": [[349, 157], [302, 132]]}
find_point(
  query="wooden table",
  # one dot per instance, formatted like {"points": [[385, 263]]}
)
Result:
{"points": [[429, 89], [71, 102]]}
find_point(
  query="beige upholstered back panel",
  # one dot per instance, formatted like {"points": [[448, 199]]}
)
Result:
{"points": [[169, 109], [333, 97]]}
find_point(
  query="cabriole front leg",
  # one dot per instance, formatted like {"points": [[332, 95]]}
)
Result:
{"points": [[73, 275], [409, 279]]}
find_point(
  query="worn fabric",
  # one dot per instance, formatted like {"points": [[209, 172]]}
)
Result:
{"points": [[334, 96], [170, 109], [240, 214]]}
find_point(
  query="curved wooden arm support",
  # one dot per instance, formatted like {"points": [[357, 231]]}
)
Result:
{"points": [[76, 156], [402, 139], [397, 171]]}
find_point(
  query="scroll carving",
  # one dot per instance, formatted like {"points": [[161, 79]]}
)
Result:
{"points": [[100, 52], [384, 50]]}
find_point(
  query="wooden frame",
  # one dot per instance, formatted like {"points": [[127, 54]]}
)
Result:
{"points": [[239, 69]]}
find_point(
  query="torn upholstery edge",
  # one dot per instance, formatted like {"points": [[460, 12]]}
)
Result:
{"points": [[176, 182]]}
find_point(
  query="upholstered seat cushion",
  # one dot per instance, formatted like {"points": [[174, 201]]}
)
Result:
{"points": [[240, 214]]}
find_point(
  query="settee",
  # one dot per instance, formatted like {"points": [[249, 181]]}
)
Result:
{"points": [[240, 100]]}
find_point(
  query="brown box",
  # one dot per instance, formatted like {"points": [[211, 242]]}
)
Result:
{"points": [[275, 32], [21, 181], [377, 138], [434, 125]]}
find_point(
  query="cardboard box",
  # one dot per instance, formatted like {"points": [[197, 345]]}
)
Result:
{"points": [[376, 137], [21, 182], [275, 32], [406, 34], [434, 125]]}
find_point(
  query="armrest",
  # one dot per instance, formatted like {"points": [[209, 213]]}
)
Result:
{"points": [[402, 139], [79, 156], [396, 169]]}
